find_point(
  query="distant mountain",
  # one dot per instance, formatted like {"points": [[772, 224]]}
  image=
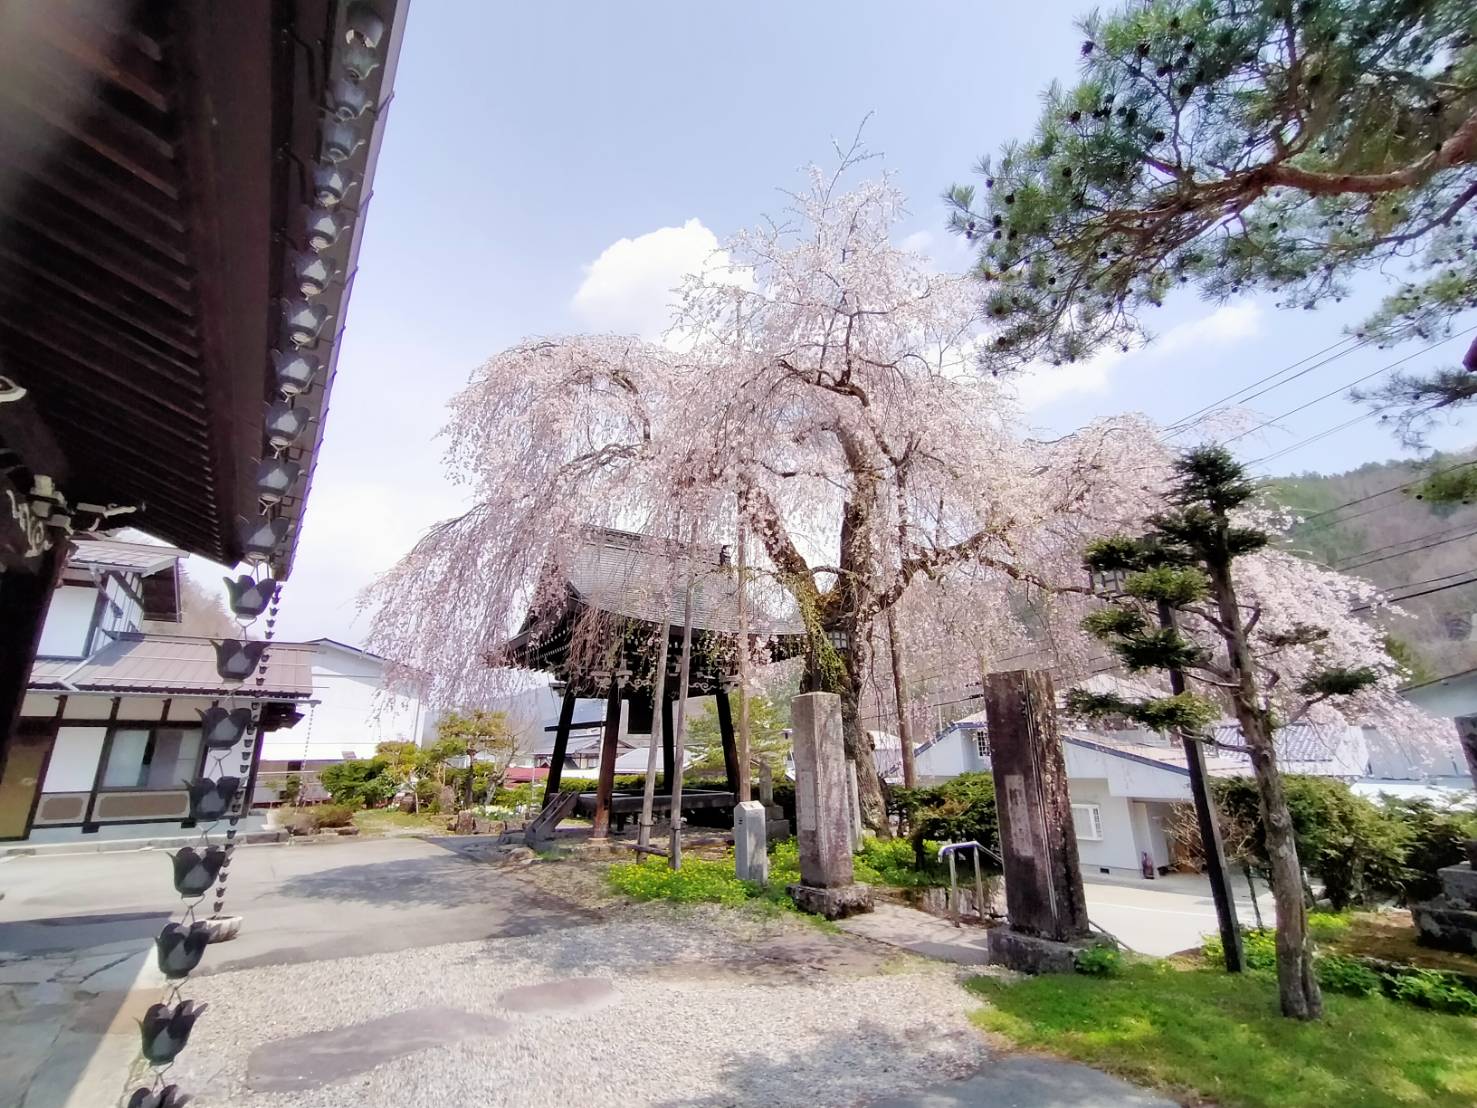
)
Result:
{"points": [[1400, 544]]}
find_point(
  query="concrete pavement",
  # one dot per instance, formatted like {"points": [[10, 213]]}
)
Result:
{"points": [[1164, 916]]}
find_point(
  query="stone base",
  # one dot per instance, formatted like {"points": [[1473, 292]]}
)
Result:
{"points": [[1460, 885], [1443, 925], [1033, 954], [845, 900]]}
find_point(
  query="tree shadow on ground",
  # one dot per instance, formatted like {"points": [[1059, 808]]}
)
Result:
{"points": [[856, 1065], [448, 881]]}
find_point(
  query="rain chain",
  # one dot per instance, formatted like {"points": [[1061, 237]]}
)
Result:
{"points": [[220, 794]]}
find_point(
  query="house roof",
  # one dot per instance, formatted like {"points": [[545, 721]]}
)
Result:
{"points": [[127, 557], [633, 575], [174, 664]]}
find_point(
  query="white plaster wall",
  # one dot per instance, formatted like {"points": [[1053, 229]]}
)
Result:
{"points": [[955, 753], [347, 716], [64, 634], [1125, 777], [1455, 696], [74, 758], [1116, 849]]}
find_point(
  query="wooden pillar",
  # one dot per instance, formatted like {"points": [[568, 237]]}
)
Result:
{"points": [[24, 597], [725, 731], [561, 745], [1043, 878], [668, 749], [605, 784]]}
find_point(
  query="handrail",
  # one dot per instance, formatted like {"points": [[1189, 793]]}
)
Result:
{"points": [[948, 850]]}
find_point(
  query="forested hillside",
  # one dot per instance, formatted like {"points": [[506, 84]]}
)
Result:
{"points": [[1365, 522]]}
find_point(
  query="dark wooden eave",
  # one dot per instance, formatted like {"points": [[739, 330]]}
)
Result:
{"points": [[155, 163]]}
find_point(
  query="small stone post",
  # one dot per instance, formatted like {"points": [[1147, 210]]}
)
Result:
{"points": [[750, 843], [853, 806], [822, 809]]}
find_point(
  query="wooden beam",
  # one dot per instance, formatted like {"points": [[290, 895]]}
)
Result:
{"points": [[561, 745], [104, 52], [669, 768], [605, 784], [725, 732], [24, 598]]}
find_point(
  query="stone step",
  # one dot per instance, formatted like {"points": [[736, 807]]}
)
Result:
{"points": [[920, 933]]}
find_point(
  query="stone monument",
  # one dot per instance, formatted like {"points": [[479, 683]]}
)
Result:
{"points": [[776, 826], [1045, 905], [823, 811], [1450, 921]]}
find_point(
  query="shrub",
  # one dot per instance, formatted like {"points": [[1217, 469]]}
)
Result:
{"points": [[1259, 945], [1436, 838], [958, 810], [894, 862], [1349, 843], [1103, 960], [333, 815], [360, 782], [1339, 973], [1436, 990]]}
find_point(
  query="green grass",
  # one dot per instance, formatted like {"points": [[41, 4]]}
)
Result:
{"points": [[699, 881], [1208, 1034], [378, 821]]}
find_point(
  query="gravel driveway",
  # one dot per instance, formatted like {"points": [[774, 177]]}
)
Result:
{"points": [[659, 1007]]}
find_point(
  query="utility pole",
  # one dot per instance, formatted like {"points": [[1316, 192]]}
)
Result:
{"points": [[899, 692], [674, 848], [1210, 831]]}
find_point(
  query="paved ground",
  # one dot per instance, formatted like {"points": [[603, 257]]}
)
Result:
{"points": [[1163, 916], [412, 972]]}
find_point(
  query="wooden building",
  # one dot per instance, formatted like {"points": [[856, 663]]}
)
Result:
{"points": [[182, 193], [598, 628]]}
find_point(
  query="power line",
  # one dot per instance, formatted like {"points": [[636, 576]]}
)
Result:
{"points": [[1294, 447], [1348, 385], [1371, 496], [1412, 550], [1441, 532], [1423, 592], [1181, 425]]}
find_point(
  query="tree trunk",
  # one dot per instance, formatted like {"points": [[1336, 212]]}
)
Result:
{"points": [[900, 695], [1297, 988], [859, 745]]}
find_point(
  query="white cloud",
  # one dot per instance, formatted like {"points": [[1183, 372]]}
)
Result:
{"points": [[631, 286], [1228, 323], [918, 242], [1039, 386], [1043, 385]]}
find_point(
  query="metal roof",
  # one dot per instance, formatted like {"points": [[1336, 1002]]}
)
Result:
{"points": [[174, 664], [133, 557], [640, 576]]}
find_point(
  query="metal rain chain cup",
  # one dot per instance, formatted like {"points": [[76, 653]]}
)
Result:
{"points": [[220, 794]]}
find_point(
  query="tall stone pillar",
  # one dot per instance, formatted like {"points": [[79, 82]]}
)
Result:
{"points": [[1043, 879], [823, 811]]}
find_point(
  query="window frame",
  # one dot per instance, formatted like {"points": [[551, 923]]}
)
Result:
{"points": [[152, 727], [1096, 816]]}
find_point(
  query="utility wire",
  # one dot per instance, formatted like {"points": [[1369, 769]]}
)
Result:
{"points": [[1348, 385], [1371, 496], [1423, 592], [1412, 550], [1183, 424], [1296, 446]]}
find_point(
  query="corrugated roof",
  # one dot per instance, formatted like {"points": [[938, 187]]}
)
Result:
{"points": [[175, 664], [136, 557], [633, 575]]}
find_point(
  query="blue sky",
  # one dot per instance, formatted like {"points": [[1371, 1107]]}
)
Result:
{"points": [[525, 141]]}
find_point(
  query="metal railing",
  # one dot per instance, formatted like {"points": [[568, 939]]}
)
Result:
{"points": [[949, 850]]}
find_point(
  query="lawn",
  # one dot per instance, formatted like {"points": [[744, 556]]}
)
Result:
{"points": [[1203, 1033], [390, 821]]}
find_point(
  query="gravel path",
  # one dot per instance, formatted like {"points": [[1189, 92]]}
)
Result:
{"points": [[709, 1009]]}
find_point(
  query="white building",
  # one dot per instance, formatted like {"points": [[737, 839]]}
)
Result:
{"points": [[109, 737]]}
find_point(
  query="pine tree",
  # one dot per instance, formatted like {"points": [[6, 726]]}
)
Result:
{"points": [[1238, 145], [1187, 563]]}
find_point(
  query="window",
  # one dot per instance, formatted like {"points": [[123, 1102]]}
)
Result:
{"points": [[1087, 819], [152, 758], [982, 743]]}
